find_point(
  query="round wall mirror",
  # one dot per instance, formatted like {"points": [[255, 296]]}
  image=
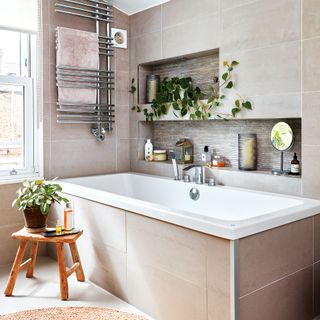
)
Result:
{"points": [[282, 136], [282, 139]]}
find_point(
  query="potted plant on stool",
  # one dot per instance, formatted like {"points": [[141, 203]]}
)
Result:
{"points": [[35, 199]]}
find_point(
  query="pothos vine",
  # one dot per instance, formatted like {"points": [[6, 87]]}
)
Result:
{"points": [[179, 95]]}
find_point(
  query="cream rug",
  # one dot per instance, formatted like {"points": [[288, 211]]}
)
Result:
{"points": [[74, 313]]}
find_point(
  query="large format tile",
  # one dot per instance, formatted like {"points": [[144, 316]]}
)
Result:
{"points": [[273, 254], [164, 296], [182, 11], [82, 157], [271, 70], [146, 21], [310, 176], [175, 250], [287, 299], [311, 70], [191, 37], [311, 18], [249, 26], [9, 215], [310, 118], [219, 279]]}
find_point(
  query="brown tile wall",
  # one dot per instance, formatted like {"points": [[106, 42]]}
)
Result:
{"points": [[279, 272], [71, 149]]}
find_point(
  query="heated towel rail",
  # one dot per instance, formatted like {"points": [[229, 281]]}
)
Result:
{"points": [[101, 113]]}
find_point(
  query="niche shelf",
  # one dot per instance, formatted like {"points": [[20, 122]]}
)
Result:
{"points": [[202, 67]]}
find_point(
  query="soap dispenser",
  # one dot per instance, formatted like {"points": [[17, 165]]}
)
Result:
{"points": [[148, 150], [206, 156], [295, 165]]}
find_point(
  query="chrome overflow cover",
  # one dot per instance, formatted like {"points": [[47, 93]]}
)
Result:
{"points": [[194, 194]]}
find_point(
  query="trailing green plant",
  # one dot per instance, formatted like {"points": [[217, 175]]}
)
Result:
{"points": [[38, 194], [179, 95]]}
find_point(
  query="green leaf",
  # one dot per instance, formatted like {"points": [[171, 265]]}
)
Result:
{"points": [[175, 106], [237, 103], [225, 76], [229, 85], [183, 112], [247, 105], [235, 111], [222, 96], [198, 114], [234, 63]]}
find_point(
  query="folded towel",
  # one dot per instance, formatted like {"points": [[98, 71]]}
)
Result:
{"points": [[78, 49]]}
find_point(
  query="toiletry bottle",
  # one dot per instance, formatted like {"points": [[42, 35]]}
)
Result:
{"points": [[58, 227], [295, 165], [148, 151], [206, 156], [68, 217]]}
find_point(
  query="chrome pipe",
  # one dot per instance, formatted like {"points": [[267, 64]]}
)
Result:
{"points": [[86, 5], [82, 69], [105, 54], [83, 121], [83, 87], [81, 111], [81, 15], [84, 116], [59, 79], [100, 14], [67, 74], [105, 37], [85, 105]]}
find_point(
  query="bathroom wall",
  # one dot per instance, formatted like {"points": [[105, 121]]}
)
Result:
{"points": [[311, 98], [276, 45], [71, 149]]}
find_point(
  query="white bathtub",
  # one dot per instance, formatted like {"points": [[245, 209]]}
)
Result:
{"points": [[226, 212]]}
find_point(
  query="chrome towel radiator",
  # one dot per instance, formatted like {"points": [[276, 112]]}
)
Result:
{"points": [[100, 114]]}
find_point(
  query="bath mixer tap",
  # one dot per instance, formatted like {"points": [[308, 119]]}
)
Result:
{"points": [[199, 173]]}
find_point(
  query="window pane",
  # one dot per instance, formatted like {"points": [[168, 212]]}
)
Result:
{"points": [[11, 126], [9, 53]]}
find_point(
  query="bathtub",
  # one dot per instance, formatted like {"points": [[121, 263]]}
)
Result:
{"points": [[226, 212]]}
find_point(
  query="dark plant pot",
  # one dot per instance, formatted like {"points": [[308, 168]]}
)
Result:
{"points": [[34, 220]]}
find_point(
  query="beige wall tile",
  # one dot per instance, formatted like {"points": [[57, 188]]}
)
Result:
{"points": [[82, 157], [175, 250], [123, 155], [9, 215], [287, 299], [162, 295], [218, 279], [269, 70], [146, 21], [253, 25], [273, 254], [146, 48], [191, 37], [182, 11], [311, 18], [310, 175], [310, 118], [228, 4], [311, 70]]}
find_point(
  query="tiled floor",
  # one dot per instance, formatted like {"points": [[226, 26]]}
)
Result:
{"points": [[43, 291]]}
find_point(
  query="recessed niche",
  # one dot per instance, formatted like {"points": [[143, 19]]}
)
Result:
{"points": [[222, 137], [202, 67]]}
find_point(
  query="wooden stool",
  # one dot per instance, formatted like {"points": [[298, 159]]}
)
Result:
{"points": [[24, 237]]}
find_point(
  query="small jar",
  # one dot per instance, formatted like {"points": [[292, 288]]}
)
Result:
{"points": [[159, 155], [217, 161]]}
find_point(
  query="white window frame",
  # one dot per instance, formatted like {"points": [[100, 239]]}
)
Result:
{"points": [[28, 134]]}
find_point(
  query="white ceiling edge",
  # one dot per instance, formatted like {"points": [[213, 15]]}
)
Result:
{"points": [[131, 7]]}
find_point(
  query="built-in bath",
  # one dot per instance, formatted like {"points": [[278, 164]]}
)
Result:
{"points": [[232, 254]]}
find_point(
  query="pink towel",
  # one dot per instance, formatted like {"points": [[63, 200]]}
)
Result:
{"points": [[78, 49]]}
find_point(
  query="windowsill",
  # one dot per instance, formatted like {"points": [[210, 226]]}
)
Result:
{"points": [[18, 178]]}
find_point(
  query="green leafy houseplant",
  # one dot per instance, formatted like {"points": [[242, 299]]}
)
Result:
{"points": [[180, 95], [35, 199]]}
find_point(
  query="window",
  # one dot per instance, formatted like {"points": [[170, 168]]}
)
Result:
{"points": [[19, 136]]}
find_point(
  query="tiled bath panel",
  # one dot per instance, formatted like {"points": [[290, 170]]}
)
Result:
{"points": [[222, 137]]}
